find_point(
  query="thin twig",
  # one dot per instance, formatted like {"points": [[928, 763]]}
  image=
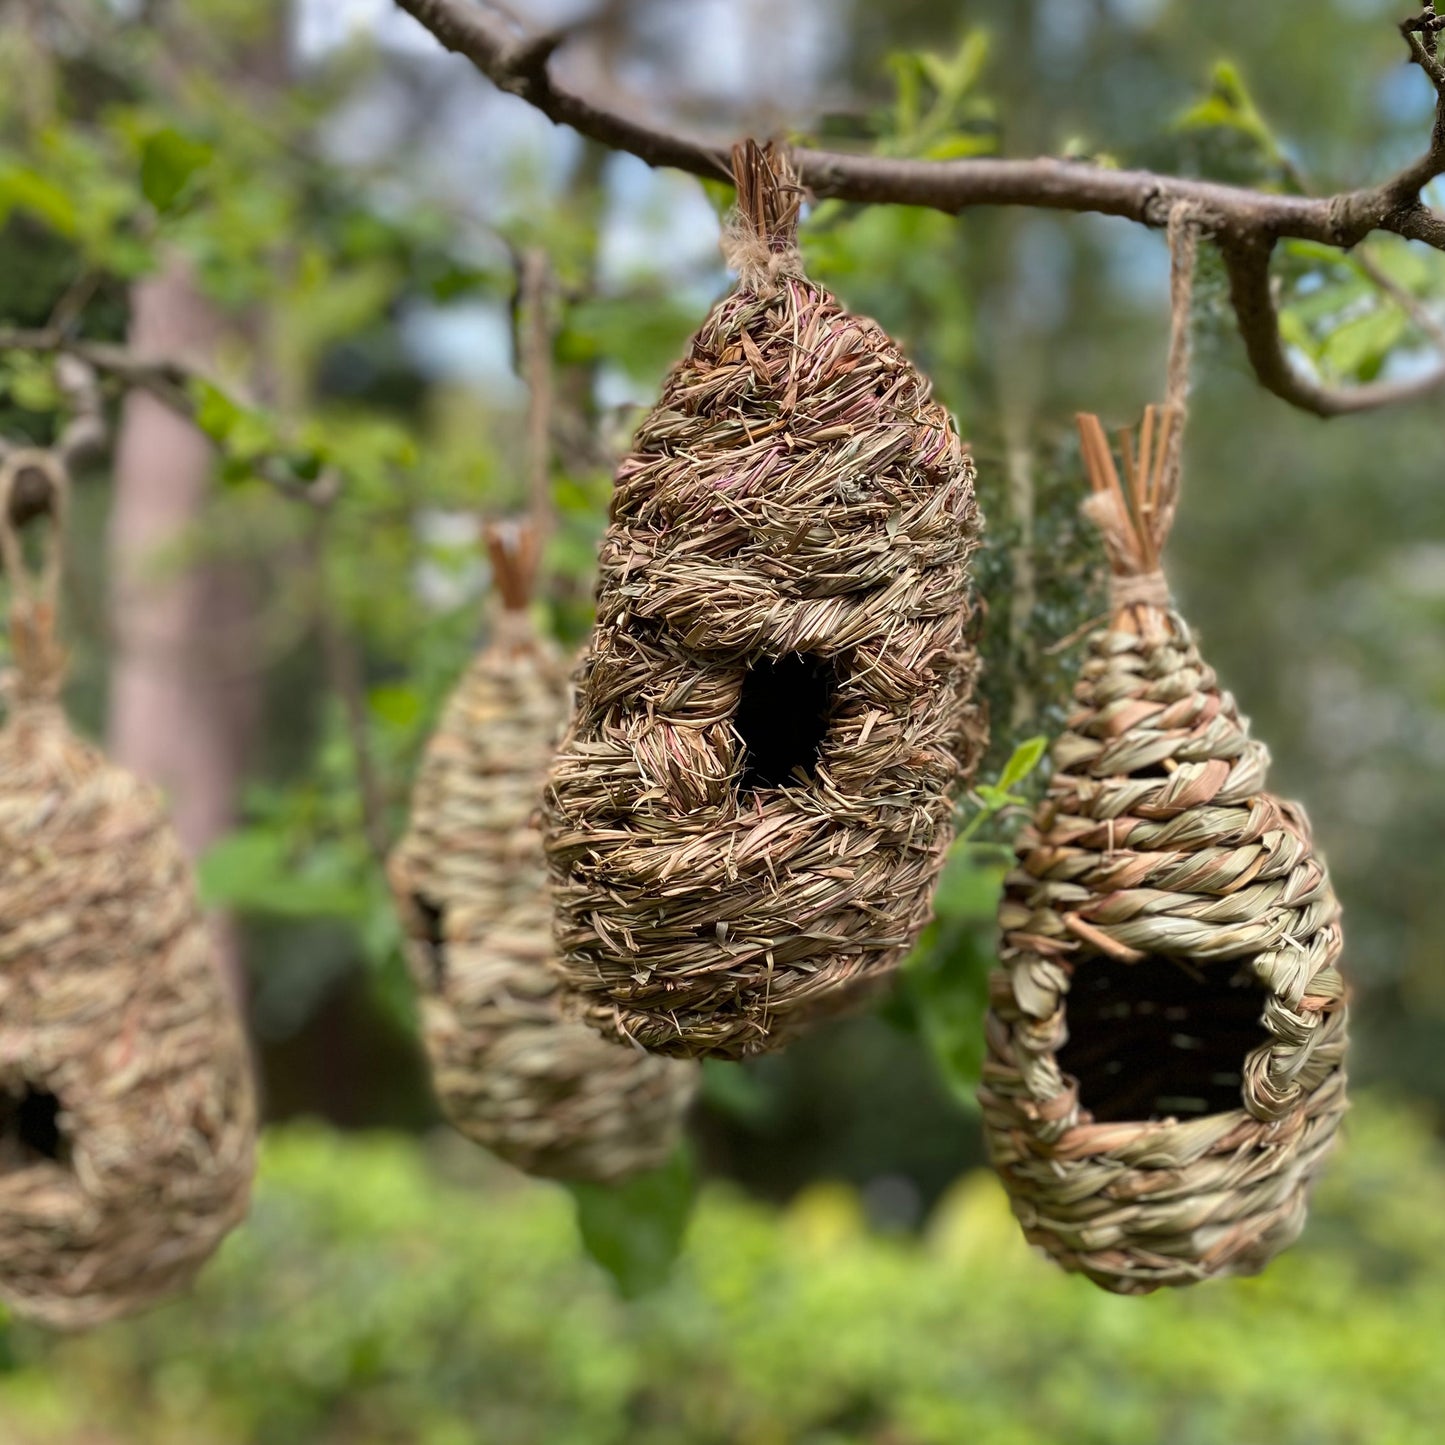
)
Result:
{"points": [[534, 287], [171, 381], [1254, 305], [1423, 318], [344, 674]]}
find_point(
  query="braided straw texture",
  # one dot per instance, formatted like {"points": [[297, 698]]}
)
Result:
{"points": [[543, 1092], [1167, 1032], [794, 500], [111, 1008]]}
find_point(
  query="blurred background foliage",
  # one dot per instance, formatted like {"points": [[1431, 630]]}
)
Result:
{"points": [[352, 207], [386, 1293]]}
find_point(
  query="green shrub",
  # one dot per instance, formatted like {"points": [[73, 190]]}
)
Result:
{"points": [[386, 1291]]}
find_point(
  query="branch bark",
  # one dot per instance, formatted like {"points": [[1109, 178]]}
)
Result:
{"points": [[1246, 223]]}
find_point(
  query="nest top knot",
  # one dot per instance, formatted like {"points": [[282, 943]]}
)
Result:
{"points": [[1135, 513], [761, 239]]}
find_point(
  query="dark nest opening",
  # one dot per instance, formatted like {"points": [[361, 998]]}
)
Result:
{"points": [[30, 1129], [1160, 1038], [433, 934], [782, 718]]}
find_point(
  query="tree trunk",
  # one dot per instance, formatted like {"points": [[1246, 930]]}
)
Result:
{"points": [[183, 692]]}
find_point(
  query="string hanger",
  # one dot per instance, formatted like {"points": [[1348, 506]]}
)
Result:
{"points": [[516, 545], [34, 586], [760, 240], [1135, 512]]}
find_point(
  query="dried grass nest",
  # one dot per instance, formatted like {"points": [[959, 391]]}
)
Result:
{"points": [[1166, 1041], [127, 1120], [747, 818], [544, 1092]]}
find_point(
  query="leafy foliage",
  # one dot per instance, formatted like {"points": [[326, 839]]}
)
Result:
{"points": [[379, 1296], [635, 1229]]}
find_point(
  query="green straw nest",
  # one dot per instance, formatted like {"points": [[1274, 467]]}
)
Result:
{"points": [[126, 1112], [544, 1092], [1167, 1032], [747, 818]]}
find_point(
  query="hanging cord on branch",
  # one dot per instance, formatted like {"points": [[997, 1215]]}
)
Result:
{"points": [[534, 330], [516, 546], [1135, 514], [34, 587]]}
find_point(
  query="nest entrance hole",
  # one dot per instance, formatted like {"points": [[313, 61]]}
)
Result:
{"points": [[433, 934], [1158, 1039], [782, 718], [30, 1129]]}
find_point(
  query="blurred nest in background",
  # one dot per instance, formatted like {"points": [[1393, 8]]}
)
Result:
{"points": [[546, 1093]]}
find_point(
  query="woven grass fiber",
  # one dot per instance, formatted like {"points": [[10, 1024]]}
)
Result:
{"points": [[126, 1112], [1167, 1033], [747, 819], [544, 1092]]}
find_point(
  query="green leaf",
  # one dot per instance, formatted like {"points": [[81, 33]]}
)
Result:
{"points": [[955, 76], [635, 1229], [30, 381], [947, 981], [1358, 347], [255, 870], [730, 1089], [27, 190], [1024, 759], [216, 413], [396, 704], [168, 161], [960, 146], [1230, 106], [971, 881]]}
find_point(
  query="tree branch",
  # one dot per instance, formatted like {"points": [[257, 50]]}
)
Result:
{"points": [[165, 378], [1246, 223], [1247, 264], [520, 65], [169, 380]]}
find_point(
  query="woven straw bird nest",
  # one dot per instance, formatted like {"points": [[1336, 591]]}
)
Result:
{"points": [[747, 819], [544, 1092], [126, 1112], [1167, 1033]]}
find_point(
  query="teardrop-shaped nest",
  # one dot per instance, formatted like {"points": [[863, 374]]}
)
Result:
{"points": [[1167, 1033], [127, 1122], [544, 1092], [747, 820]]}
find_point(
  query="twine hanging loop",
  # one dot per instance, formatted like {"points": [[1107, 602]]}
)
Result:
{"points": [[34, 587], [1135, 512], [760, 240]]}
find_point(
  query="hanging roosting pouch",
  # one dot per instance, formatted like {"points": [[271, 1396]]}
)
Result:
{"points": [[1167, 1032], [544, 1092], [126, 1113], [746, 822]]}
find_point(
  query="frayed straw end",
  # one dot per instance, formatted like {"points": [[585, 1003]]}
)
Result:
{"points": [[1134, 513], [760, 240], [514, 550]]}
